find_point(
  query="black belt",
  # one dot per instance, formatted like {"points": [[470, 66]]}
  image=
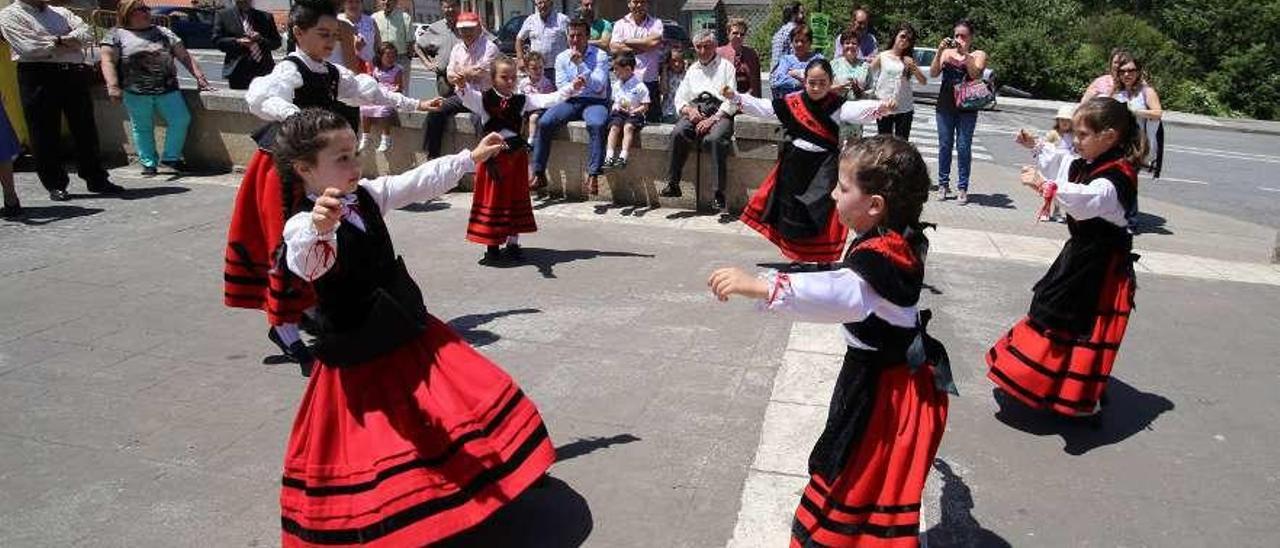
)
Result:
{"points": [[33, 66]]}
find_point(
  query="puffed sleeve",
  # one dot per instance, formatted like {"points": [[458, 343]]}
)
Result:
{"points": [[837, 296], [308, 253], [1096, 199], [362, 89], [539, 101], [270, 97], [859, 112], [425, 182], [754, 106]]}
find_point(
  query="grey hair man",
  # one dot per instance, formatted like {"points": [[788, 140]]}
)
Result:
{"points": [[704, 113]]}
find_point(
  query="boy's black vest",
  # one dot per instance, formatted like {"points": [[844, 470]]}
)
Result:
{"points": [[1066, 298], [367, 303], [319, 90]]}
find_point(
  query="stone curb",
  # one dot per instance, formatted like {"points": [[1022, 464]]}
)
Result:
{"points": [[1176, 119]]}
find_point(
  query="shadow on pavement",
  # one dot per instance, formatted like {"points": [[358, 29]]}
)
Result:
{"points": [[427, 207], [1001, 201], [147, 192], [724, 218], [1146, 223], [545, 260], [1128, 411], [43, 215], [466, 325], [550, 514], [958, 527], [584, 446]]}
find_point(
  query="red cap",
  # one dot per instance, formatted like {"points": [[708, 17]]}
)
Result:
{"points": [[468, 19]]}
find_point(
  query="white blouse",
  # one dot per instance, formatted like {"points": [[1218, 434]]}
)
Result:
{"points": [[851, 112], [270, 97], [310, 254], [473, 99], [837, 296], [1096, 199]]}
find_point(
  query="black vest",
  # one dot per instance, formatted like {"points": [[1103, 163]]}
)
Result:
{"points": [[804, 118], [319, 90], [367, 303], [505, 113]]}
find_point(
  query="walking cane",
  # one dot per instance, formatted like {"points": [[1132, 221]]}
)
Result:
{"points": [[697, 175]]}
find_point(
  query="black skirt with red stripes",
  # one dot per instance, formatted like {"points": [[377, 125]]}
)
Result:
{"points": [[874, 499], [1059, 369], [794, 210], [409, 448], [500, 206], [252, 276]]}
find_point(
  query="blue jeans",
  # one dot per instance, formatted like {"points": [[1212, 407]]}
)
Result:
{"points": [[142, 109], [955, 128], [595, 112]]}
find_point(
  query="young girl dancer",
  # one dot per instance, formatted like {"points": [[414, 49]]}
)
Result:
{"points": [[1060, 356], [889, 409], [793, 206], [500, 208], [405, 435], [254, 276], [377, 118]]}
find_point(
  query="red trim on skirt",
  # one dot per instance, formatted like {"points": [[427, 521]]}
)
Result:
{"points": [[1050, 369], [823, 248], [410, 448], [875, 501], [500, 206], [255, 230]]}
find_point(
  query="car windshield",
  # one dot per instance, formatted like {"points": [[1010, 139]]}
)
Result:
{"points": [[924, 57]]}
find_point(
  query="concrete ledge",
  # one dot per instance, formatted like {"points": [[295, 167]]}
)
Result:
{"points": [[218, 139]]}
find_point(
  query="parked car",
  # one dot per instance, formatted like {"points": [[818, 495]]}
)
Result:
{"points": [[924, 58], [193, 25]]}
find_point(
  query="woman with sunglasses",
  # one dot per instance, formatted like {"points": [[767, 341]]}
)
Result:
{"points": [[957, 62], [138, 67]]}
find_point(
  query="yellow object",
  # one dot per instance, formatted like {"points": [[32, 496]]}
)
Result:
{"points": [[9, 92]]}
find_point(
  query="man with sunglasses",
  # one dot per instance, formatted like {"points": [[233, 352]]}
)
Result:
{"points": [[54, 80]]}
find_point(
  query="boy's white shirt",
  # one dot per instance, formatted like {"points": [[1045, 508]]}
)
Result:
{"points": [[270, 97], [634, 90]]}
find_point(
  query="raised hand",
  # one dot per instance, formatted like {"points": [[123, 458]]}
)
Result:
{"points": [[1025, 139], [488, 147], [1031, 177], [579, 82], [725, 282], [327, 211], [431, 105]]}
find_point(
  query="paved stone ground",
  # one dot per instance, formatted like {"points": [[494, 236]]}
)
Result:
{"points": [[137, 410]]}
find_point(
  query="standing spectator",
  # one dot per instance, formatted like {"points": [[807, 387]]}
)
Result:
{"points": [[395, 26], [866, 42], [1143, 101], [1105, 85], [788, 72], [365, 35], [138, 67], [746, 62], [591, 105], [850, 77], [630, 101], [671, 79], [705, 115], [601, 29], [434, 44], [53, 79], [641, 34], [957, 62], [897, 68], [390, 77], [247, 36], [9, 151], [545, 31], [469, 60], [792, 15]]}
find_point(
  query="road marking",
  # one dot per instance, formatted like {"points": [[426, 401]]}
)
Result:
{"points": [[1225, 154], [1269, 189], [1175, 180]]}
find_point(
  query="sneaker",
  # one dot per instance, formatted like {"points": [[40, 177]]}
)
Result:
{"points": [[963, 198], [944, 194], [179, 166], [1044, 218], [364, 141], [610, 162], [385, 143], [620, 163], [672, 190], [149, 170]]}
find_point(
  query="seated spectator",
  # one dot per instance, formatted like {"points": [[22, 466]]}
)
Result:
{"points": [[630, 102], [672, 75], [788, 73], [704, 115], [533, 82], [591, 105], [391, 77]]}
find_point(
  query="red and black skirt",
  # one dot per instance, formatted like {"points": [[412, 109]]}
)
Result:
{"points": [[1059, 370], [500, 206], [874, 498], [778, 212], [252, 276], [409, 448]]}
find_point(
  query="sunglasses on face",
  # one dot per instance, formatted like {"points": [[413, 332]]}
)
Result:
{"points": [[1128, 71], [961, 35]]}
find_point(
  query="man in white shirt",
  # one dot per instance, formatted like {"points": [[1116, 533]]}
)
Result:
{"points": [[546, 32], [704, 115], [469, 60]]}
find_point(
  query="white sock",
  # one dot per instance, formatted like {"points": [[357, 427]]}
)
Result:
{"points": [[288, 333], [623, 155], [513, 239]]}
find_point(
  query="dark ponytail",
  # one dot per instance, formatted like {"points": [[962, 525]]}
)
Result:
{"points": [[1103, 113], [893, 169]]}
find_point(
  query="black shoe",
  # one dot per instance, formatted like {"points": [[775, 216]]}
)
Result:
{"points": [[11, 211], [59, 195], [106, 187], [514, 252], [149, 170], [620, 163], [719, 201], [179, 166], [672, 190], [275, 339], [491, 256], [306, 361]]}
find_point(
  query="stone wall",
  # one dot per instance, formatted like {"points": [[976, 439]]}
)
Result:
{"points": [[221, 125]]}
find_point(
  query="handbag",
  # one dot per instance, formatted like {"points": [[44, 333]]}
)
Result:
{"points": [[973, 95]]}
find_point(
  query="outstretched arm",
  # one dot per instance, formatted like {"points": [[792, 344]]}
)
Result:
{"points": [[838, 296], [431, 179]]}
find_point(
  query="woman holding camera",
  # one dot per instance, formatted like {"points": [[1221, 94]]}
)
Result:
{"points": [[958, 63]]}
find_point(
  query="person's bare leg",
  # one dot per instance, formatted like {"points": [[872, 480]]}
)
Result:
{"points": [[628, 135], [11, 203], [612, 145]]}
